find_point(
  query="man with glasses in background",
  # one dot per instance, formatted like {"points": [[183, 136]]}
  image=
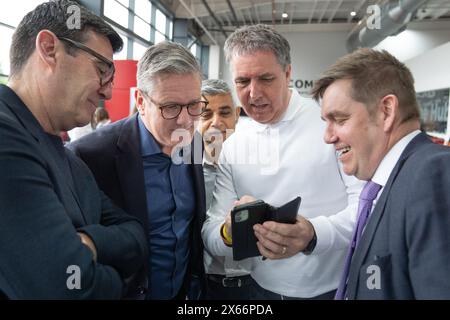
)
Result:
{"points": [[151, 165], [60, 236]]}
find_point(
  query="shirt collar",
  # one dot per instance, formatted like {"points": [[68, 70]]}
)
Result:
{"points": [[149, 146], [291, 111], [389, 161], [206, 162]]}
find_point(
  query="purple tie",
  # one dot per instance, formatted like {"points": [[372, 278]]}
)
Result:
{"points": [[368, 194]]}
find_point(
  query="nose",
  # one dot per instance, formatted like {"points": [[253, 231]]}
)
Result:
{"points": [[329, 135], [215, 121], [255, 90], [106, 91], [184, 117]]}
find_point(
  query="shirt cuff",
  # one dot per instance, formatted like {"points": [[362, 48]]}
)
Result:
{"points": [[324, 234]]}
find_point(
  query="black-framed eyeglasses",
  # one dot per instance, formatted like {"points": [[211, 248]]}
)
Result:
{"points": [[107, 74], [173, 110]]}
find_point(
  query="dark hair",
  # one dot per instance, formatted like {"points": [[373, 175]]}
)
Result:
{"points": [[55, 16], [374, 74]]}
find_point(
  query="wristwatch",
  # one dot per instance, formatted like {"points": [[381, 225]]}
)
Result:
{"points": [[311, 245]]}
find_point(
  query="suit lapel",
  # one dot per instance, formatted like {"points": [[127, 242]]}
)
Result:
{"points": [[367, 238], [130, 170]]}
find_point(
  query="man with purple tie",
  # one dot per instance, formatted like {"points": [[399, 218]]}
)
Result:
{"points": [[401, 243]]}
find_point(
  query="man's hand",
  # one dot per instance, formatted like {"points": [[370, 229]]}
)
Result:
{"points": [[227, 222], [281, 240], [87, 241]]}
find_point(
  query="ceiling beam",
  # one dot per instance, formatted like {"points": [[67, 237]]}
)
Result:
{"points": [[233, 13], [211, 13], [198, 21], [250, 15], [330, 19], [255, 8], [283, 11], [324, 11], [291, 15], [274, 11], [312, 12], [228, 19]]}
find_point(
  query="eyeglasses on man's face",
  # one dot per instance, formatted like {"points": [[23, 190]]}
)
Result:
{"points": [[172, 110], [107, 69]]}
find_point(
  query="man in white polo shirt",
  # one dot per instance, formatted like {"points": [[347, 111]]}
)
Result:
{"points": [[276, 157]]}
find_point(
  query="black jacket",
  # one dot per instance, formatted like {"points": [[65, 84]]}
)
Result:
{"points": [[113, 155], [47, 195]]}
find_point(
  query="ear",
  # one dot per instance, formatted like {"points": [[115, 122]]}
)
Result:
{"points": [[288, 72], [46, 47], [139, 96], [389, 111]]}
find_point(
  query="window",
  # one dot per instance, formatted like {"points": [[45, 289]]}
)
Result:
{"points": [[10, 17], [160, 22], [171, 30], [142, 18], [117, 10], [138, 50], [12, 14], [194, 49], [5, 39], [159, 37]]}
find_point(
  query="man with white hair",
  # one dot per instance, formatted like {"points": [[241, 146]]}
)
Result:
{"points": [[226, 279]]}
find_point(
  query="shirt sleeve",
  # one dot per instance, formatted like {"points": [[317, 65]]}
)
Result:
{"points": [[224, 197], [334, 232]]}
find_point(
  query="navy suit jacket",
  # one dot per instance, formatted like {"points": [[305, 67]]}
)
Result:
{"points": [[404, 251], [113, 154], [41, 210]]}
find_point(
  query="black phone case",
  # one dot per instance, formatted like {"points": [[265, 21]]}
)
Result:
{"points": [[245, 216]]}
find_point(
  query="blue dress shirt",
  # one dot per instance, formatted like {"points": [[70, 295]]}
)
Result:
{"points": [[170, 210]]}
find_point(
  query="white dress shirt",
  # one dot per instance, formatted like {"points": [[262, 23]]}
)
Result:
{"points": [[276, 163]]}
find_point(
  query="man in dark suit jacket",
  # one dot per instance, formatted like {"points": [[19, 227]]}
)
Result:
{"points": [[137, 162], [60, 236], [369, 104]]}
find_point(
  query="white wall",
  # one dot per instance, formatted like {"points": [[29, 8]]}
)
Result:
{"points": [[417, 39], [425, 49], [431, 69], [312, 53]]}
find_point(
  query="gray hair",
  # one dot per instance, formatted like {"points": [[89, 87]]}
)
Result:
{"points": [[162, 59], [249, 39], [214, 87]]}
